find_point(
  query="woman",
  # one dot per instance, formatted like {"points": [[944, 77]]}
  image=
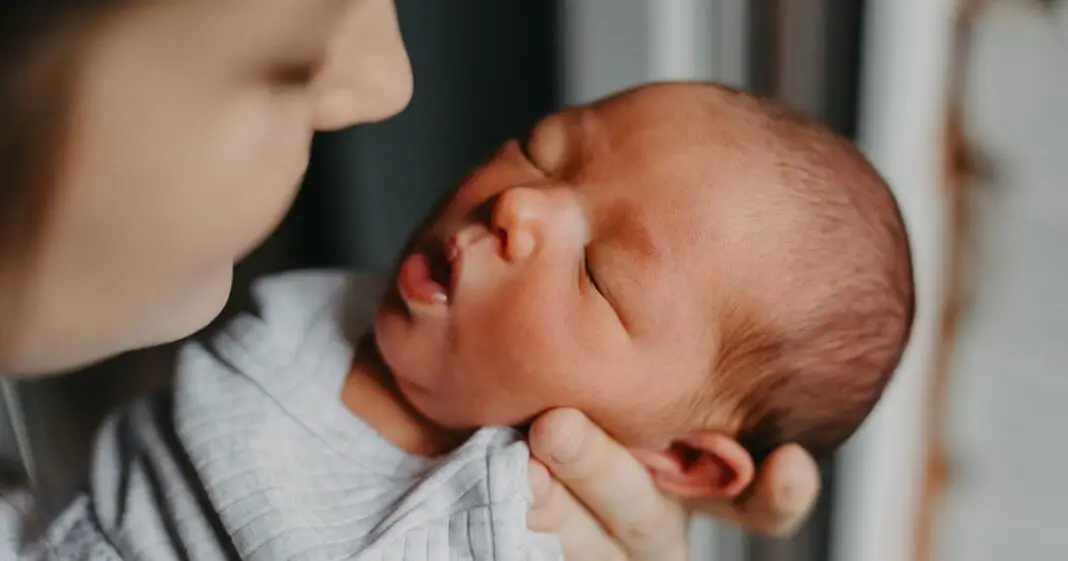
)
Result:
{"points": [[146, 146]]}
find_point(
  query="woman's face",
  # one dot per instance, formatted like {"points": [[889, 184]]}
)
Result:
{"points": [[188, 135]]}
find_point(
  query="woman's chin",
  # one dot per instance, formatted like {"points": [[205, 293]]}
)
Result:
{"points": [[60, 339], [202, 305], [183, 316]]}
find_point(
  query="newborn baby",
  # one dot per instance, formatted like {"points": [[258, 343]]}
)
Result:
{"points": [[705, 274], [688, 265]]}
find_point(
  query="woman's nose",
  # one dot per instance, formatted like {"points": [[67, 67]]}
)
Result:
{"points": [[529, 220], [366, 76]]}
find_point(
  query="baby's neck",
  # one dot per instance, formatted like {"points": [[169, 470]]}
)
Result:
{"points": [[370, 393]]}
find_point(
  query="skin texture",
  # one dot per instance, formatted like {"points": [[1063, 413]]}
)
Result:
{"points": [[573, 268], [186, 143], [596, 251], [602, 253]]}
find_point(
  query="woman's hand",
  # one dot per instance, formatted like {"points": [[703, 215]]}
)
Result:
{"points": [[604, 506]]}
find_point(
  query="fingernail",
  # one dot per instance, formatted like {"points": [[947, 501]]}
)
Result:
{"points": [[567, 440]]}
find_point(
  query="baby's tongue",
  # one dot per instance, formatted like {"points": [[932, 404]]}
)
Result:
{"points": [[417, 281]]}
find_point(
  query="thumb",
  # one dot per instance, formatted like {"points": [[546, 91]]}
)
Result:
{"points": [[560, 437], [786, 489]]}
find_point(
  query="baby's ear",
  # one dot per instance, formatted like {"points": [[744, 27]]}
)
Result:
{"points": [[706, 465]]}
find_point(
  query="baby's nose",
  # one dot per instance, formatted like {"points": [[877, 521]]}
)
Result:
{"points": [[519, 217]]}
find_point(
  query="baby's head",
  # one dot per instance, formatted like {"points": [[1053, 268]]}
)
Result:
{"points": [[705, 274]]}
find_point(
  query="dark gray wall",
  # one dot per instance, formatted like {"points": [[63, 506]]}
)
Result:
{"points": [[484, 70]]}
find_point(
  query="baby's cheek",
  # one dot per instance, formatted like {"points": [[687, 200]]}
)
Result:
{"points": [[526, 341], [529, 322]]}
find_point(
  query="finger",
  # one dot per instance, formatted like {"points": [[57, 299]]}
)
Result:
{"points": [[787, 488], [785, 491], [556, 511], [607, 479]]}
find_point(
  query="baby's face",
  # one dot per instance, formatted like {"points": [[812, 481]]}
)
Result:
{"points": [[583, 266]]}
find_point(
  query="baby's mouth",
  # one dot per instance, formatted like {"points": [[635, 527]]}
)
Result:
{"points": [[429, 277], [425, 279]]}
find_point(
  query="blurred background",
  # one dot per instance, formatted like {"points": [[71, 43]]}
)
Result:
{"points": [[962, 105]]}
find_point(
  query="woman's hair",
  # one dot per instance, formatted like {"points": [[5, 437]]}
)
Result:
{"points": [[39, 42]]}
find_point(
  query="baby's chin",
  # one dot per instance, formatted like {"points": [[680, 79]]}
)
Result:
{"points": [[405, 374], [456, 411]]}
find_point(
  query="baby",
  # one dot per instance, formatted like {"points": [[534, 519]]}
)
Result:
{"points": [[703, 273], [677, 261]]}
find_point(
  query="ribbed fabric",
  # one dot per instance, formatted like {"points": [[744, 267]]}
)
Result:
{"points": [[254, 457]]}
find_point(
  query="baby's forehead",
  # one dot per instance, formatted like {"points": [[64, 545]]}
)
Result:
{"points": [[707, 232], [700, 138], [676, 163], [695, 104]]}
